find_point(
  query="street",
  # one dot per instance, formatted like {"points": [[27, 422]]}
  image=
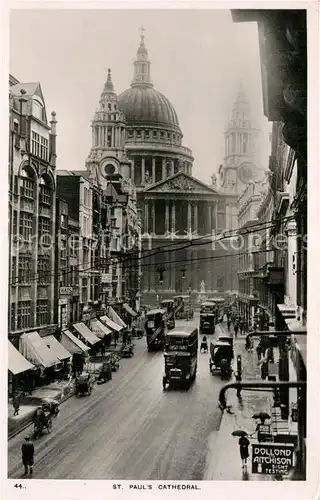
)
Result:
{"points": [[129, 428]]}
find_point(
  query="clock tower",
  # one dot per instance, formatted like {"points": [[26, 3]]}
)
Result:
{"points": [[242, 149], [107, 156]]}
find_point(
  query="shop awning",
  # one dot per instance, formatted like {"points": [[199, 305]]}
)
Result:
{"points": [[16, 362], [111, 324], [56, 348], [72, 344], [33, 347], [129, 310], [99, 329], [86, 333], [116, 318]]}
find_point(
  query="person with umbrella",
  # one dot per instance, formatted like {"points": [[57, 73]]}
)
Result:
{"points": [[244, 449]]}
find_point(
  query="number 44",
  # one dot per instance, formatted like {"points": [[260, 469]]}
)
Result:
{"points": [[18, 486]]}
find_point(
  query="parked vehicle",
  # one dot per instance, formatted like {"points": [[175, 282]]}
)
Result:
{"points": [[221, 356], [168, 305], [84, 384], [207, 318], [183, 307], [41, 421], [51, 406], [220, 304], [128, 350], [155, 327], [180, 357]]}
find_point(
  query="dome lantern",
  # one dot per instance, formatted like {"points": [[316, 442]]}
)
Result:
{"points": [[141, 65]]}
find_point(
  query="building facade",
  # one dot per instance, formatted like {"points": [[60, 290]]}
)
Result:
{"points": [[32, 207]]}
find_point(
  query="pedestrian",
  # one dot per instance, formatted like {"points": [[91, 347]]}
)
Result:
{"points": [[236, 328], [228, 324], [16, 404], [116, 338], [244, 450], [258, 351], [27, 451]]}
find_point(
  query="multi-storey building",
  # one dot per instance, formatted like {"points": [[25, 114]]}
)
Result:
{"points": [[32, 205], [66, 266], [283, 55], [84, 207], [248, 223]]}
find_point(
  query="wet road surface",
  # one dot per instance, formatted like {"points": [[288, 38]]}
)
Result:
{"points": [[129, 428]]}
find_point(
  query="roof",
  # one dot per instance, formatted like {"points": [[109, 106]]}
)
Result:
{"points": [[144, 105], [30, 88], [207, 303], [72, 343], [99, 329], [186, 331], [155, 311], [183, 182], [86, 333], [166, 301], [111, 324], [183, 296]]}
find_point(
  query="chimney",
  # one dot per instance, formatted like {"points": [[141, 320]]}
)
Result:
{"points": [[53, 135]]}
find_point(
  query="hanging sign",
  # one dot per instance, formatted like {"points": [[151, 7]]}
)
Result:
{"points": [[271, 459]]}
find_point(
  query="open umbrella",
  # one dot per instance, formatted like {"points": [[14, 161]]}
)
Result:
{"points": [[239, 433], [262, 415]]}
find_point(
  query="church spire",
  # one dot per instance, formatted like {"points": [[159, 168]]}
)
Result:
{"points": [[141, 65], [108, 86]]}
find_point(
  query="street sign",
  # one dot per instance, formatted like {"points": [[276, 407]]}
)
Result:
{"points": [[271, 459], [106, 278], [66, 290], [63, 302]]}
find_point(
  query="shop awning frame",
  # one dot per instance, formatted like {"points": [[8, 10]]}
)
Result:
{"points": [[72, 343], [33, 348], [116, 318], [58, 350], [129, 310], [111, 324], [86, 333], [99, 329], [17, 363]]}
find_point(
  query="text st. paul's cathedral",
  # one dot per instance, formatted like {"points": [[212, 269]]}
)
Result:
{"points": [[137, 134]]}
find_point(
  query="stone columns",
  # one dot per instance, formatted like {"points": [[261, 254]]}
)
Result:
{"points": [[132, 170], [164, 173], [167, 220], [153, 170], [153, 217], [143, 174], [173, 215], [172, 167], [189, 223], [195, 214], [146, 216], [216, 215], [209, 218]]}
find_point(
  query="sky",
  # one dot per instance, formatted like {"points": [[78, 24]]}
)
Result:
{"points": [[198, 58]]}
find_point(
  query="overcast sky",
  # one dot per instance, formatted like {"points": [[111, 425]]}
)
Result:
{"points": [[197, 60]]}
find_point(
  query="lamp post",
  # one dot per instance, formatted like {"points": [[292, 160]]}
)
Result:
{"points": [[160, 270]]}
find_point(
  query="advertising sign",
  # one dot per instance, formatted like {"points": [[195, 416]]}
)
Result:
{"points": [[271, 459], [66, 290]]}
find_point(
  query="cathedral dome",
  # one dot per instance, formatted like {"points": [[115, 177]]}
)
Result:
{"points": [[143, 105]]}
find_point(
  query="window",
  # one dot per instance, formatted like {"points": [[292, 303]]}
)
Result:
{"points": [[43, 270], [15, 222], [26, 226], [24, 270], [74, 275], [13, 317], [44, 230], [155, 134], [35, 144], [45, 195], [44, 148], [16, 185], [130, 133], [63, 220], [109, 107], [27, 188], [13, 270], [74, 246], [42, 312], [147, 134], [24, 314], [37, 110], [138, 133], [63, 249]]}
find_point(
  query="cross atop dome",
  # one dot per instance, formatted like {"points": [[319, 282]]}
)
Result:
{"points": [[108, 86]]}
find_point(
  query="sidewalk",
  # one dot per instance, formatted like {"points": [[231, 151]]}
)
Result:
{"points": [[60, 391], [224, 462]]}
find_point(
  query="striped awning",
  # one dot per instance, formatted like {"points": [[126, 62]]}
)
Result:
{"points": [[99, 329], [111, 324], [72, 343], [86, 333]]}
